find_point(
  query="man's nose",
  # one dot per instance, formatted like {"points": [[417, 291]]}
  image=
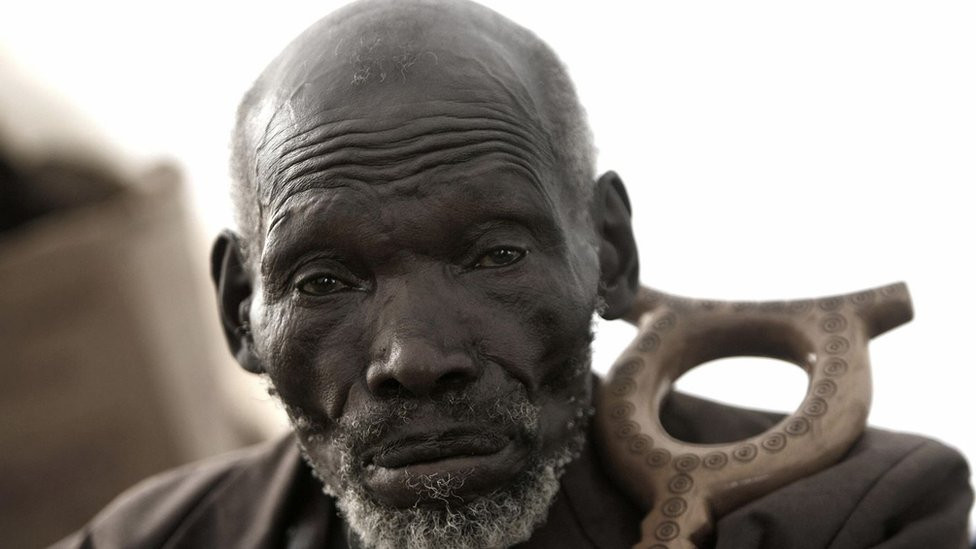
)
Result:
{"points": [[416, 367]]}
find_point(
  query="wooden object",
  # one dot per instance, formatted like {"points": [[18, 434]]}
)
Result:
{"points": [[684, 487]]}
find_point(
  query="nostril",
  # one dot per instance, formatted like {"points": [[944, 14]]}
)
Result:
{"points": [[414, 367], [389, 388], [454, 379]]}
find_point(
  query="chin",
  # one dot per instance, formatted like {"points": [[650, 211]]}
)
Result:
{"points": [[502, 517], [452, 505], [480, 479]]}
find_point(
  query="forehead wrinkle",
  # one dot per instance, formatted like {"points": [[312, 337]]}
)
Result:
{"points": [[326, 153], [424, 176], [514, 89], [387, 127], [426, 121], [381, 167], [333, 135], [484, 69], [333, 116], [437, 176], [402, 140]]}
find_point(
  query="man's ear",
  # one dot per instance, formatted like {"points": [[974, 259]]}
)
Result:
{"points": [[234, 290], [619, 267]]}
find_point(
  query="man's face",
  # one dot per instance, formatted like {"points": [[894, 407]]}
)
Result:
{"points": [[425, 275], [425, 315]]}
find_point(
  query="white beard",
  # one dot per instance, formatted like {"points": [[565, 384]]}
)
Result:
{"points": [[502, 518]]}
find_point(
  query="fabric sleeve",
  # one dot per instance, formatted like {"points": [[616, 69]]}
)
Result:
{"points": [[891, 491], [922, 501]]}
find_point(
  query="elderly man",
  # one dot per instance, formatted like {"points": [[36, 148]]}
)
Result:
{"points": [[423, 243]]}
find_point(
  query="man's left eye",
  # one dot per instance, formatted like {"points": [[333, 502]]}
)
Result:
{"points": [[320, 285], [500, 257]]}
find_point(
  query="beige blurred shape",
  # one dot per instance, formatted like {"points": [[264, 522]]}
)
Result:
{"points": [[114, 365]]}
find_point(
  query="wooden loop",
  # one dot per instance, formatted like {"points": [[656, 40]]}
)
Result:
{"points": [[684, 487]]}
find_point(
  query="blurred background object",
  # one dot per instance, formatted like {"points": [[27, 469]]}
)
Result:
{"points": [[108, 345]]}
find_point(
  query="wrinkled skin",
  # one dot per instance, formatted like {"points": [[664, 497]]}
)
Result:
{"points": [[418, 242]]}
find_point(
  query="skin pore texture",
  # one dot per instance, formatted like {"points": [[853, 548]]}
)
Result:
{"points": [[422, 248]]}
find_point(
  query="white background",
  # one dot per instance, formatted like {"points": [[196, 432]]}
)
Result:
{"points": [[771, 149]]}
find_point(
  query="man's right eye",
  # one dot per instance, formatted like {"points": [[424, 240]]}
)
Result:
{"points": [[321, 284]]}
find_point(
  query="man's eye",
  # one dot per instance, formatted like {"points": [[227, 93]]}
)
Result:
{"points": [[319, 285], [500, 257]]}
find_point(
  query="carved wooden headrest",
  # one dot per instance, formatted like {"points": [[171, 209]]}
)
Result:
{"points": [[684, 487]]}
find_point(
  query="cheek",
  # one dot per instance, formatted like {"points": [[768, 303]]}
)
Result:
{"points": [[559, 323], [538, 324], [313, 359], [555, 314]]}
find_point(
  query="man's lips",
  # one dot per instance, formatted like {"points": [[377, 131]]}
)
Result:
{"points": [[484, 458], [431, 447]]}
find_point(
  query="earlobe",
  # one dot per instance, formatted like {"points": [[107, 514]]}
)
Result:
{"points": [[234, 290], [619, 265]]}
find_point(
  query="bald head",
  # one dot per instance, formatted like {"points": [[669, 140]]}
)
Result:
{"points": [[360, 95]]}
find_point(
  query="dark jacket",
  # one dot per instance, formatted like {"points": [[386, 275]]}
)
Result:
{"points": [[890, 491]]}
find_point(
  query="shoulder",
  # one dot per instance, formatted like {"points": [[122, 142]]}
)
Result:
{"points": [[160, 508], [890, 490], [894, 490], [902, 489]]}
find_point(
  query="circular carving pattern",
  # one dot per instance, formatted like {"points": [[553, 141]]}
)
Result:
{"points": [[628, 429], [680, 484], [861, 299], [774, 442], [623, 386], [665, 323], [630, 367], [800, 306], [745, 452], [772, 306], [667, 530], [674, 507], [798, 426], [837, 345], [824, 388], [640, 444], [715, 460], [831, 303], [815, 407], [835, 367], [833, 323], [686, 462], [679, 304], [622, 410], [659, 457], [648, 343]]}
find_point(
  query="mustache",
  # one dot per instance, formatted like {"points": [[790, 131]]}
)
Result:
{"points": [[375, 420], [373, 426]]}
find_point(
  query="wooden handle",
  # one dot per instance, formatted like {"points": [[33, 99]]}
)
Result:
{"points": [[684, 487]]}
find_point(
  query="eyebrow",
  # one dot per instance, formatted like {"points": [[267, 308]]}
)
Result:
{"points": [[536, 219]]}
